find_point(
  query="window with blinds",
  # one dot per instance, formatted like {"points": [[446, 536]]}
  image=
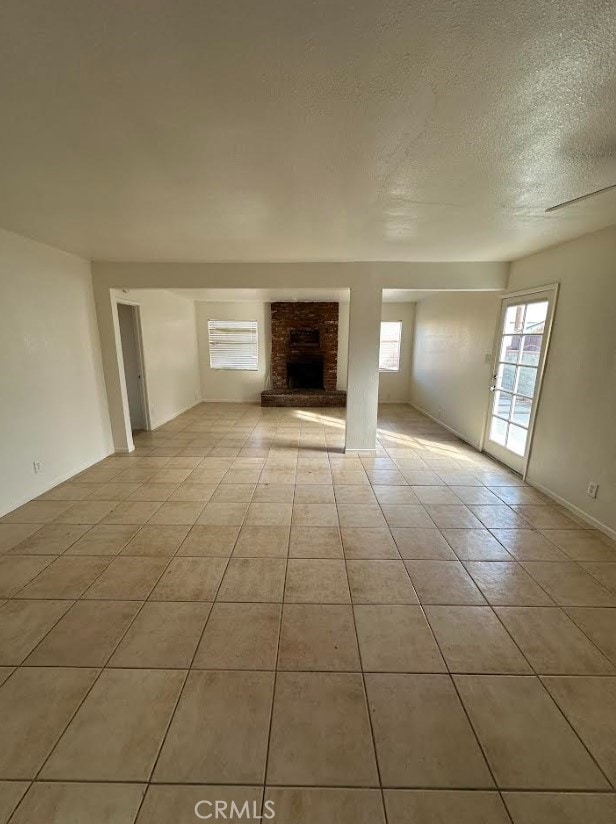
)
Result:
{"points": [[233, 344], [389, 353]]}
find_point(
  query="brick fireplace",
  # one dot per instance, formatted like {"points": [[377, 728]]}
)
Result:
{"points": [[304, 359]]}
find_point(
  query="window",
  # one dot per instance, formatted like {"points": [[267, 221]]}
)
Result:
{"points": [[389, 353], [233, 344]]}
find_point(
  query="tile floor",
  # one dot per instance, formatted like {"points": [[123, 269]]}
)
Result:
{"points": [[239, 612]]}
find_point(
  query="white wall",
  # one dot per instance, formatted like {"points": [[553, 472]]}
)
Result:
{"points": [[395, 387], [454, 332], [53, 407], [170, 351], [575, 431]]}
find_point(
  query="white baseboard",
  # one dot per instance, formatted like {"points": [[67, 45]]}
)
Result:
{"points": [[584, 516], [158, 424], [57, 479], [445, 426], [365, 452]]}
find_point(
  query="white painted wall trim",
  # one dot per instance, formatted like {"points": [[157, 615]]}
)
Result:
{"points": [[175, 415], [584, 516]]}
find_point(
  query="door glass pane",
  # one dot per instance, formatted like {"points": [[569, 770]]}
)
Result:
{"points": [[527, 377], [506, 377], [536, 314], [502, 404], [521, 411], [510, 348], [516, 439], [514, 319], [498, 431], [531, 349]]}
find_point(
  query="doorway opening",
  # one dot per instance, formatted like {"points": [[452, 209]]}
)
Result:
{"points": [[132, 356]]}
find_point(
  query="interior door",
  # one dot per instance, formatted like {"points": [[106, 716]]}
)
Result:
{"points": [[521, 349]]}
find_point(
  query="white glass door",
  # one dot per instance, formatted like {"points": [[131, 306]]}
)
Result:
{"points": [[521, 349]]}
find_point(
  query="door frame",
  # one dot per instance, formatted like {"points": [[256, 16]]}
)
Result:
{"points": [[552, 289], [136, 313]]}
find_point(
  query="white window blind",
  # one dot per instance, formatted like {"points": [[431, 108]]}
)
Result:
{"points": [[233, 344], [389, 353]]}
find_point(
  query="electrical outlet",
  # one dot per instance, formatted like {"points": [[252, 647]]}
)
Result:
{"points": [[592, 490], [36, 465]]}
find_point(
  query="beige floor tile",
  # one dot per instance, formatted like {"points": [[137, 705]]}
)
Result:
{"points": [[443, 806], [210, 541], [406, 516], [396, 638], [70, 491], [175, 804], [190, 579], [36, 512], [170, 475], [507, 584], [476, 545], [358, 494], [423, 738], [316, 581], [380, 582], [211, 477], [223, 514], [498, 517], [581, 544], [35, 705], [11, 793], [309, 805], [599, 624], [321, 732], [527, 742], [360, 515], [604, 573], [240, 636], [313, 515], [528, 545], [193, 492], [161, 541], [318, 637], [262, 542], [570, 585], [4, 673], [369, 543], [57, 803], [132, 512], [473, 640], [476, 495], [65, 578], [87, 512], [118, 730], [253, 579], [86, 635], [314, 477], [589, 704], [177, 513], [552, 642], [343, 477], [162, 635], [23, 624], [269, 514], [386, 477], [274, 494], [51, 539], [561, 808], [17, 570], [220, 730], [422, 477], [437, 494], [103, 540], [153, 492], [127, 579], [315, 542], [275, 476], [443, 582], [449, 516], [13, 534], [115, 491], [417, 543], [544, 517], [398, 495], [233, 493]]}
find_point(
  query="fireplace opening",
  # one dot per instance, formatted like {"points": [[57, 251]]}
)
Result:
{"points": [[305, 374]]}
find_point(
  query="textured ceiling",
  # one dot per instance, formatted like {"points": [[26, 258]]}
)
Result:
{"points": [[306, 130]]}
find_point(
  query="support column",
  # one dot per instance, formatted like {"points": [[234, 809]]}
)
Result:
{"points": [[363, 367]]}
